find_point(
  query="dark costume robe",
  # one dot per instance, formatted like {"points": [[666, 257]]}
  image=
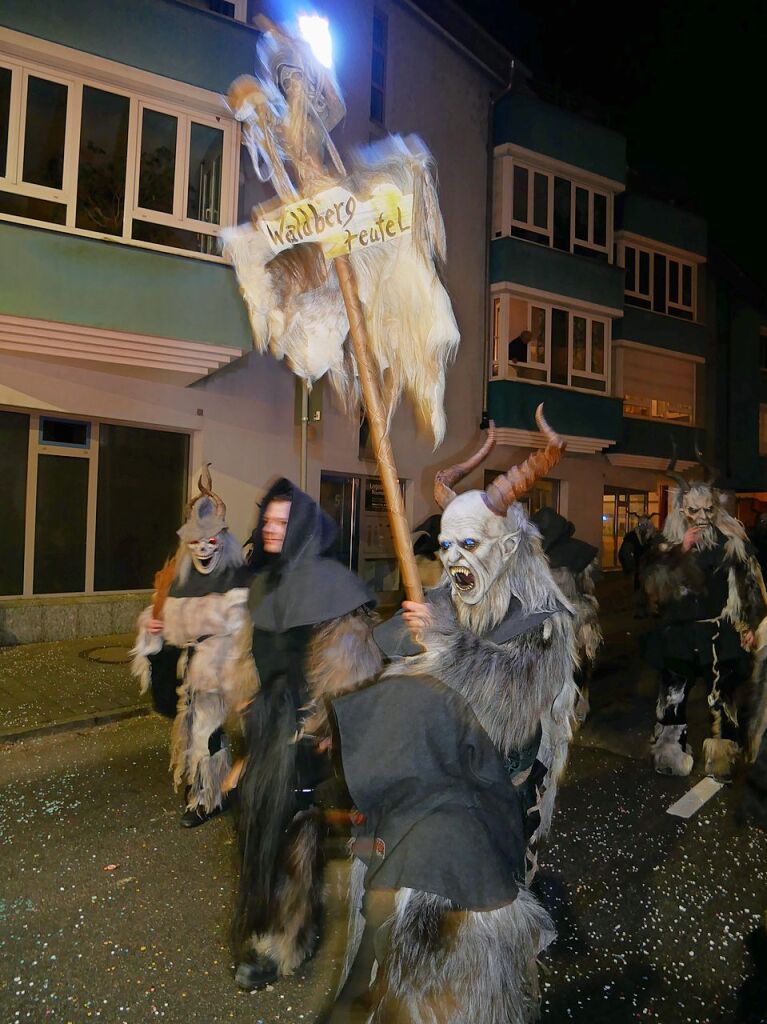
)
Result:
{"points": [[300, 600]]}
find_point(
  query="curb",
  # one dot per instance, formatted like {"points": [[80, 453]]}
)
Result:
{"points": [[77, 722]]}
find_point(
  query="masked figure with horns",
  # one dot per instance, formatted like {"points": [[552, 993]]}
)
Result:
{"points": [[704, 580], [193, 650], [476, 721]]}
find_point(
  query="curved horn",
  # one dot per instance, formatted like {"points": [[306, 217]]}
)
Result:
{"points": [[683, 484], [711, 473], [507, 487], [445, 478], [205, 487]]}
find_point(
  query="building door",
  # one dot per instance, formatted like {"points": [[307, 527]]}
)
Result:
{"points": [[620, 507], [339, 498], [88, 506], [365, 544]]}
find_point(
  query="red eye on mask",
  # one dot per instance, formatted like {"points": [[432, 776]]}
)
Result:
{"points": [[212, 540]]}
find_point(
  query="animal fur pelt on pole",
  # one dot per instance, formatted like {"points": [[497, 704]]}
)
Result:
{"points": [[297, 312]]}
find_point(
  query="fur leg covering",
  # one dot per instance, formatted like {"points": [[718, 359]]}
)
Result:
{"points": [[297, 904], [191, 762], [356, 921], [446, 966], [280, 884], [719, 757], [669, 757]]}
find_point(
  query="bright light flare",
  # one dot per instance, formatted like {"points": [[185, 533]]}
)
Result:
{"points": [[316, 31]]}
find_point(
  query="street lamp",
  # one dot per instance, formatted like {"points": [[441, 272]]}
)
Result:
{"points": [[315, 30]]}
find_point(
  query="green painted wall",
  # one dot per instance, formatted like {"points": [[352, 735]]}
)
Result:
{"points": [[513, 404], [543, 128], [101, 284], [662, 331], [651, 437], [535, 266], [662, 222], [162, 36]]}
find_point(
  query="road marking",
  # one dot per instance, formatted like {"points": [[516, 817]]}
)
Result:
{"points": [[693, 800]]}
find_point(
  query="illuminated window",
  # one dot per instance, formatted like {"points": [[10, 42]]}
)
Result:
{"points": [[658, 385]]}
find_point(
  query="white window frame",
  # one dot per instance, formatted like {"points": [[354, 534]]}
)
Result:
{"points": [[184, 113], [649, 296], [529, 224], [571, 371], [503, 205]]}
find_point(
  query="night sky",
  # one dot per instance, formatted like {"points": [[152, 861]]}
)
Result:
{"points": [[684, 81]]}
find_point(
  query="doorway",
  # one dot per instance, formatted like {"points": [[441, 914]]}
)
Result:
{"points": [[365, 545], [620, 506]]}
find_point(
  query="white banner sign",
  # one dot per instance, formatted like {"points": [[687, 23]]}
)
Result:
{"points": [[339, 221]]}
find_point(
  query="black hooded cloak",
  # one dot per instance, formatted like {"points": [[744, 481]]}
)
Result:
{"points": [[442, 815]]}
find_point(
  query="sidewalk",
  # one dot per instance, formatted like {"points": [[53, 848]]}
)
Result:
{"points": [[72, 683], [53, 686]]}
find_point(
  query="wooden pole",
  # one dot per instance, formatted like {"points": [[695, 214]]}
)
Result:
{"points": [[376, 415]]}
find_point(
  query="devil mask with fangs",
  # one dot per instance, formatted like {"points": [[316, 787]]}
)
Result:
{"points": [[207, 546], [487, 544], [697, 505]]}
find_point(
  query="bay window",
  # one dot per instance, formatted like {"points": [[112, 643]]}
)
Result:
{"points": [[659, 281], [87, 157]]}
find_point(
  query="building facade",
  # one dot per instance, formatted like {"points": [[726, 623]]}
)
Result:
{"points": [[125, 353], [630, 329]]}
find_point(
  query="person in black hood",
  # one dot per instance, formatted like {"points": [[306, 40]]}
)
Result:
{"points": [[312, 639], [575, 567]]}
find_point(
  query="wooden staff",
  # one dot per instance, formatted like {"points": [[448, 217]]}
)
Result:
{"points": [[376, 415], [310, 165]]}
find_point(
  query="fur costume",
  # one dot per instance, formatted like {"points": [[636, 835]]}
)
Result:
{"points": [[200, 667], [708, 598], [312, 639], [501, 637]]}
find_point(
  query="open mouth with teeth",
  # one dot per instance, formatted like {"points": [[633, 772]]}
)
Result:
{"points": [[462, 577]]}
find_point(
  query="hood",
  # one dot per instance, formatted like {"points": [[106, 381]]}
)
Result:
{"points": [[562, 548], [310, 533], [442, 815], [406, 743], [552, 526]]}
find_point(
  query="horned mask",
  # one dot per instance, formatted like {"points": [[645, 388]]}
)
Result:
{"points": [[698, 501], [205, 522], [481, 530]]}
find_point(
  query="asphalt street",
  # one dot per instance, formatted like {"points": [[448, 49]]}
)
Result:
{"points": [[110, 911]]}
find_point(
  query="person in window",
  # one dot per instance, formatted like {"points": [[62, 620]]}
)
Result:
{"points": [[518, 348]]}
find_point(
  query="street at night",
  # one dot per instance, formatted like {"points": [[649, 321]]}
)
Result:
{"points": [[383, 512], [112, 912]]}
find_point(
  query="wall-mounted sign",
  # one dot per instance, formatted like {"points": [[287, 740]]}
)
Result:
{"points": [[339, 221]]}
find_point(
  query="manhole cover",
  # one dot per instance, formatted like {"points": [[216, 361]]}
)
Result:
{"points": [[107, 655]]}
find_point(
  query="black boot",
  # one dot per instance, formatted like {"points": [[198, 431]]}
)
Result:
{"points": [[194, 816], [256, 973]]}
